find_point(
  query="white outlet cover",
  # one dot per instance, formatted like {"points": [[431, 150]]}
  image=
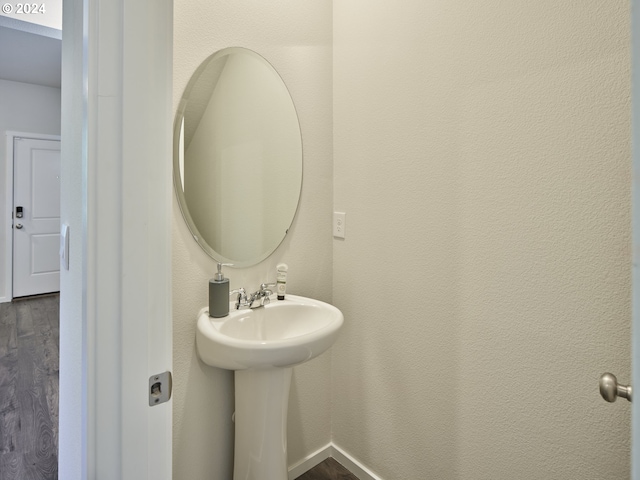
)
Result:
{"points": [[339, 224]]}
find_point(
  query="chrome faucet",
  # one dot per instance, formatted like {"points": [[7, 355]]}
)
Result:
{"points": [[263, 294], [244, 300], [241, 301]]}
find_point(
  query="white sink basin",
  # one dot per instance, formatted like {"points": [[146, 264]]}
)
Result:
{"points": [[283, 333]]}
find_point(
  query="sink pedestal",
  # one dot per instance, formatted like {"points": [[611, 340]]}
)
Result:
{"points": [[262, 400]]}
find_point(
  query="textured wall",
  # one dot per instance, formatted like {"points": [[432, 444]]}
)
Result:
{"points": [[296, 38], [482, 154]]}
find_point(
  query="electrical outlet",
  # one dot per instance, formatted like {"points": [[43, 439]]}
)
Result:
{"points": [[339, 224]]}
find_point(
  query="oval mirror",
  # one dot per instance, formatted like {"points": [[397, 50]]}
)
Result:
{"points": [[237, 157]]}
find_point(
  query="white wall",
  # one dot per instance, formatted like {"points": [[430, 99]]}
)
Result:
{"points": [[24, 108], [482, 155], [296, 38]]}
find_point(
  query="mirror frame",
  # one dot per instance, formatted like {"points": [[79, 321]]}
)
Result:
{"points": [[177, 179]]}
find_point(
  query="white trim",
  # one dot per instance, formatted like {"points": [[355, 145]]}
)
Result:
{"points": [[117, 116], [8, 241], [30, 27], [353, 465], [309, 462], [334, 451], [128, 283]]}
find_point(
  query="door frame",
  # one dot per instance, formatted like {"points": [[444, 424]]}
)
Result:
{"points": [[8, 253], [635, 208], [116, 192]]}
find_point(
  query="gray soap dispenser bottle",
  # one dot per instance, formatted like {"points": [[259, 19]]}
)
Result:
{"points": [[219, 294]]}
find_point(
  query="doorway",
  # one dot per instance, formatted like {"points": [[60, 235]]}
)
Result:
{"points": [[36, 215], [33, 195], [30, 104]]}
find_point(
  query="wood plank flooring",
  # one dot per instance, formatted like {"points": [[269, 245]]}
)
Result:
{"points": [[330, 469], [29, 346]]}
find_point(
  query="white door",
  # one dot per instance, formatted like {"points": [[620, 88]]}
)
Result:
{"points": [[36, 216], [115, 298]]}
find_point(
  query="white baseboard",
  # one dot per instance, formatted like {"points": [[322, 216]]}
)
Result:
{"points": [[353, 465], [332, 450], [309, 462]]}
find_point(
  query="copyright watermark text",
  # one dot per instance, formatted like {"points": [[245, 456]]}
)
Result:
{"points": [[24, 8]]}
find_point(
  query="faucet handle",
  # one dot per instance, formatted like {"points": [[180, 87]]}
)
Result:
{"points": [[242, 297], [265, 291]]}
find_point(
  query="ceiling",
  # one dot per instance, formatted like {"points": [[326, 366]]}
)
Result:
{"points": [[30, 53]]}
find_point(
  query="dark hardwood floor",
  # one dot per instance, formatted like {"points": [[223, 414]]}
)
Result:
{"points": [[330, 469], [29, 346]]}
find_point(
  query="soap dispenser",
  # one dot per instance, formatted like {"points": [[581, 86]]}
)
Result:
{"points": [[219, 294]]}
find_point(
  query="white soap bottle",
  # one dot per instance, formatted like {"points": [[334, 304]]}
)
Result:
{"points": [[281, 280]]}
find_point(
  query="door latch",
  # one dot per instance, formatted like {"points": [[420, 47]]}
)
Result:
{"points": [[159, 388], [19, 211]]}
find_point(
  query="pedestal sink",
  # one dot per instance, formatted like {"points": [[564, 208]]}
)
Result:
{"points": [[263, 345]]}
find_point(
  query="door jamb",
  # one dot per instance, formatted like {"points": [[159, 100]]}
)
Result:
{"points": [[8, 241]]}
